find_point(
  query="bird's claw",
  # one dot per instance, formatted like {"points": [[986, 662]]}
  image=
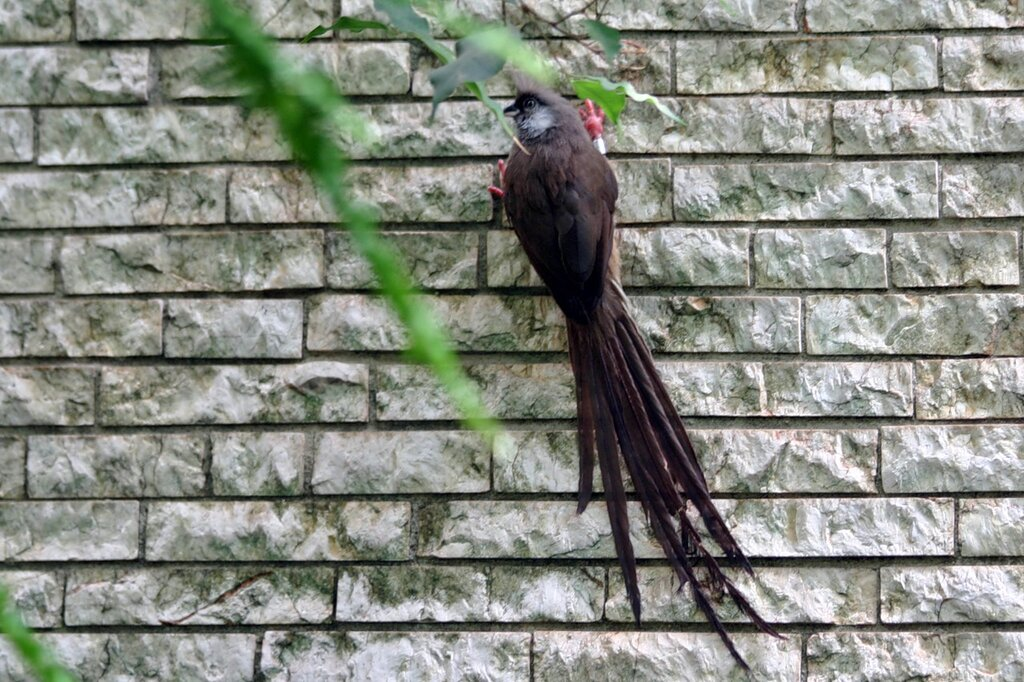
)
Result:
{"points": [[498, 191], [593, 119]]}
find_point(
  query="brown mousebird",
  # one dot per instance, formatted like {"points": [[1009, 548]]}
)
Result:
{"points": [[560, 193]]}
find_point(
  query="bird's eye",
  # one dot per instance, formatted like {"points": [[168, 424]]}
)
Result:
{"points": [[530, 103]]}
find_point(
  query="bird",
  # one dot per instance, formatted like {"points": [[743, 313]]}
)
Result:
{"points": [[559, 193]]}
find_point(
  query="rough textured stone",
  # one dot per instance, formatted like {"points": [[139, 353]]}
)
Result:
{"points": [[726, 324], [112, 198], [937, 657], [226, 328], [73, 75], [470, 593], [980, 190], [950, 259], [845, 596], [12, 467], [177, 19], [520, 391], [406, 131], [970, 389], [659, 256], [218, 394], [960, 324], [269, 463], [166, 465], [820, 259], [482, 11], [688, 15], [645, 190], [807, 191], [901, 15], [80, 329], [225, 261], [660, 656], [356, 68], [159, 134], [401, 193], [382, 462], [952, 594], [929, 126], [38, 597], [952, 458], [727, 125], [26, 265], [366, 656], [864, 63], [35, 21], [198, 596], [992, 527], [988, 62], [16, 132], [68, 531], [277, 531], [716, 388], [434, 260], [110, 657], [57, 396]]}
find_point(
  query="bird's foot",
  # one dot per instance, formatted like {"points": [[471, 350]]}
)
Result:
{"points": [[593, 121], [498, 191]]}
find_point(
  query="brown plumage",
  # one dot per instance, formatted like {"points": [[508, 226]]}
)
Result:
{"points": [[560, 196]]}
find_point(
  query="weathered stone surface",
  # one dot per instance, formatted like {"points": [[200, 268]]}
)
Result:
{"points": [[952, 594], [177, 19], [198, 596], [161, 134], [970, 389], [716, 388], [365, 656], [807, 191], [224, 261], [959, 324], [689, 15], [980, 190], [277, 531], [465, 128], [269, 463], [470, 593], [899, 15], [401, 193], [223, 394], [38, 596], [727, 125], [68, 531], [851, 389], [536, 391], [659, 256], [952, 458], [109, 657], [992, 527], [950, 259], [434, 260], [929, 126], [857, 63], [233, 328], [73, 75], [16, 131], [844, 596], [660, 656], [719, 324], [26, 265], [111, 198], [878, 657], [820, 259], [733, 460], [35, 21], [138, 465], [987, 62], [645, 190], [357, 68], [57, 396], [80, 329], [12, 467], [483, 11], [383, 462]]}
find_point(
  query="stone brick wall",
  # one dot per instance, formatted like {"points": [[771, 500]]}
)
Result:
{"points": [[214, 463]]}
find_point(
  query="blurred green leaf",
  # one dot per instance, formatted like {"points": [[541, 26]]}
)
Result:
{"points": [[607, 37], [471, 65], [404, 18], [344, 24], [503, 42], [611, 96], [38, 658]]}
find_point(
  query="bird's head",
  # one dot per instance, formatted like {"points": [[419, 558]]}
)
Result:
{"points": [[540, 113]]}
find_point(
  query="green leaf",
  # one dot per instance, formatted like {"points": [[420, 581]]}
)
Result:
{"points": [[611, 96], [344, 24], [473, 65], [404, 18], [605, 36], [503, 42]]}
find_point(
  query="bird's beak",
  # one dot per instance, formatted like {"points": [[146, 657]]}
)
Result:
{"points": [[511, 110]]}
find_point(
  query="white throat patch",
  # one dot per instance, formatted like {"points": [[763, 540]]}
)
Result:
{"points": [[536, 125]]}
